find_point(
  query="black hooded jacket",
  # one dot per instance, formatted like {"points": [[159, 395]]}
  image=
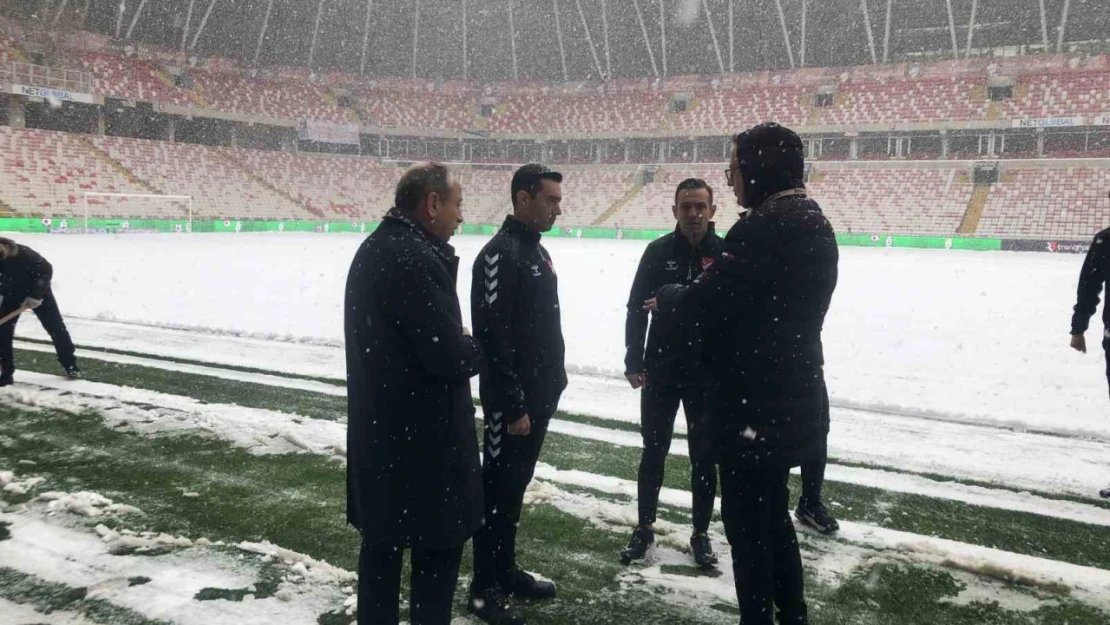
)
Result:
{"points": [[673, 355], [1095, 273], [761, 310], [24, 273]]}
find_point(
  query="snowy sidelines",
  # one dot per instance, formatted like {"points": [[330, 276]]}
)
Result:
{"points": [[263, 431], [965, 336]]}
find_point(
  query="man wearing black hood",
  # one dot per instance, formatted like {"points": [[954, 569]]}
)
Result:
{"points": [[761, 308]]}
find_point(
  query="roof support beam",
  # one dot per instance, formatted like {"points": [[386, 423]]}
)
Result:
{"points": [[1063, 27], [785, 34], [316, 32], [870, 34], [262, 33], [713, 35], [886, 32], [590, 40], [952, 30], [643, 30], [135, 19], [971, 28], [559, 34], [366, 36], [203, 23]]}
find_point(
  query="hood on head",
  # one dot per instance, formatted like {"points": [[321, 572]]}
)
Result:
{"points": [[771, 159]]}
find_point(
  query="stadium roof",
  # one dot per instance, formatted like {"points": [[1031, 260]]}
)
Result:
{"points": [[614, 38]]}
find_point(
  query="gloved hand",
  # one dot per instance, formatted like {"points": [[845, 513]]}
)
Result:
{"points": [[32, 303]]}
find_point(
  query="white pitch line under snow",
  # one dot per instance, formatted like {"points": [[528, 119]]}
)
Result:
{"points": [[300, 384], [266, 431]]}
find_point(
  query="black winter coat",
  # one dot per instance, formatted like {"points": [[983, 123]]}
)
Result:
{"points": [[514, 301], [1095, 273], [413, 473], [673, 354], [26, 274], [761, 308]]}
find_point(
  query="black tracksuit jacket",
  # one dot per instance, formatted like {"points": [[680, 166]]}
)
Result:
{"points": [[673, 355], [514, 302]]}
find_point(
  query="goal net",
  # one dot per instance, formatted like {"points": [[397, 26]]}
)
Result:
{"points": [[134, 212]]}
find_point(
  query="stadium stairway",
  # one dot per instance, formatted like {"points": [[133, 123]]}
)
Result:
{"points": [[116, 165], [969, 225], [625, 200], [237, 166], [6, 210]]}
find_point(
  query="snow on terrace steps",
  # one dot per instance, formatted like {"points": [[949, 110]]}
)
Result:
{"points": [[265, 431], [1092, 584]]}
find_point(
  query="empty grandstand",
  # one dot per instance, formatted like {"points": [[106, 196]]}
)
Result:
{"points": [[1007, 135]]}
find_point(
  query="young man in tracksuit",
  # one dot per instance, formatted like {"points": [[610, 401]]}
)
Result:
{"points": [[671, 371], [1092, 278], [514, 302], [25, 283]]}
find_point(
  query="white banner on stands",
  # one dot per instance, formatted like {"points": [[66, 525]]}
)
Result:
{"points": [[324, 132], [1101, 120], [1048, 122], [53, 94]]}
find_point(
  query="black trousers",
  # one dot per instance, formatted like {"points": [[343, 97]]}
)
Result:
{"points": [[51, 319], [1106, 348], [658, 409], [508, 463], [813, 476], [765, 556], [435, 573]]}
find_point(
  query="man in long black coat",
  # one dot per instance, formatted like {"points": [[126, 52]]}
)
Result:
{"points": [[413, 474], [761, 308], [25, 283]]}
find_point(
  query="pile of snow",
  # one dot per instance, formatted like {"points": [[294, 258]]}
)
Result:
{"points": [[302, 568], [11, 486], [84, 503]]}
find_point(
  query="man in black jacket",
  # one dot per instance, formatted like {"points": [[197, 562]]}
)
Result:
{"points": [[1092, 278], [25, 283], [413, 474], [672, 370], [514, 301], [761, 308]]}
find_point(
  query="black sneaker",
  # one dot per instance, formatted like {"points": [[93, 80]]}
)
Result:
{"points": [[703, 551], [817, 517], [73, 372], [6, 380], [642, 538], [492, 607], [1104, 493], [523, 585]]}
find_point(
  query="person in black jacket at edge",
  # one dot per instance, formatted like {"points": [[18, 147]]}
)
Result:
{"points": [[1095, 273], [25, 283], [671, 372], [413, 474], [514, 301], [761, 308]]}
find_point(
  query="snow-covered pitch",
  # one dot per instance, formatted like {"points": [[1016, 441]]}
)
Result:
{"points": [[960, 336]]}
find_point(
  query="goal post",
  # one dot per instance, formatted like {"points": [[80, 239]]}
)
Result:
{"points": [[127, 206]]}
